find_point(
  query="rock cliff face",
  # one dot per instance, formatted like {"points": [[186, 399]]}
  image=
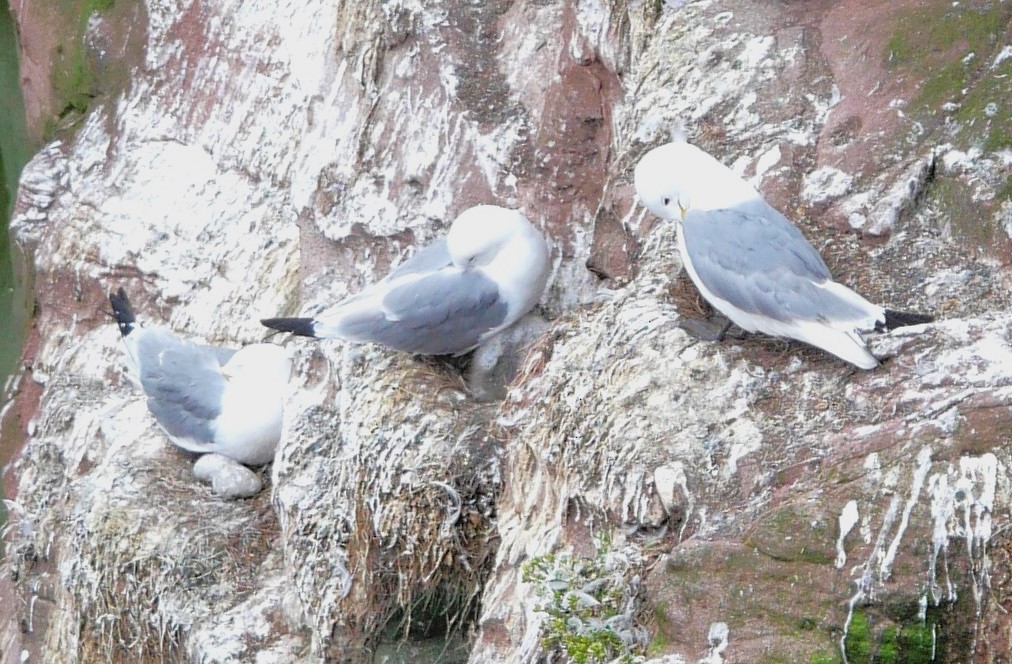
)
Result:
{"points": [[743, 501]]}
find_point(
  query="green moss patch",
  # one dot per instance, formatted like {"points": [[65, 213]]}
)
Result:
{"points": [[923, 36], [823, 658], [970, 220], [880, 641], [795, 533], [72, 75], [951, 49], [858, 642], [77, 77]]}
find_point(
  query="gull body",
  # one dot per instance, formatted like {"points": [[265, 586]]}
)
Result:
{"points": [[750, 262], [450, 297], [207, 398]]}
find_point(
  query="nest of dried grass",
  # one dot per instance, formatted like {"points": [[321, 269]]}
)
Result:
{"points": [[387, 501], [160, 542]]}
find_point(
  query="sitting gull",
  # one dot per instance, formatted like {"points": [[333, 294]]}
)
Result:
{"points": [[205, 398], [450, 297], [750, 262]]}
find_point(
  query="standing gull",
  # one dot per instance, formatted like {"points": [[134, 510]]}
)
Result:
{"points": [[750, 262], [450, 297], [205, 398]]}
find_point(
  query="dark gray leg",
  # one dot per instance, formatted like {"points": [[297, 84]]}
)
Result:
{"points": [[713, 328]]}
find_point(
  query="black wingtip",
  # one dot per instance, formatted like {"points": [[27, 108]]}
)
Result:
{"points": [[302, 327], [894, 319], [122, 311]]}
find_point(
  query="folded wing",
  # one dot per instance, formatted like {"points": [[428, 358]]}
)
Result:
{"points": [[438, 313], [184, 385], [761, 263]]}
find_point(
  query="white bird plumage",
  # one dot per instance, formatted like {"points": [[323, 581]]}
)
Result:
{"points": [[750, 262], [208, 398], [450, 297]]}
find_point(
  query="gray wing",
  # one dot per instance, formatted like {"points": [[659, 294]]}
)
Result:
{"points": [[443, 313], [760, 262], [430, 259], [183, 383]]}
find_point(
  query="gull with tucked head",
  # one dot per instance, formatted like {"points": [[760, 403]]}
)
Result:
{"points": [[750, 262], [207, 399], [450, 297]]}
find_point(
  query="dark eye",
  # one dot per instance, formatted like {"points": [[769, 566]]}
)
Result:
{"points": [[666, 201]]}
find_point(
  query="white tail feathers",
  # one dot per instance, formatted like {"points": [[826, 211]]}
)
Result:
{"points": [[845, 344]]}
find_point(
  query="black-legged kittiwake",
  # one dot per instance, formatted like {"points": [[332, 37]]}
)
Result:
{"points": [[208, 399], [450, 297], [750, 262]]}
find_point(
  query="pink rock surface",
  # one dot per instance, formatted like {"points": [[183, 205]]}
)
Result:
{"points": [[265, 157]]}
